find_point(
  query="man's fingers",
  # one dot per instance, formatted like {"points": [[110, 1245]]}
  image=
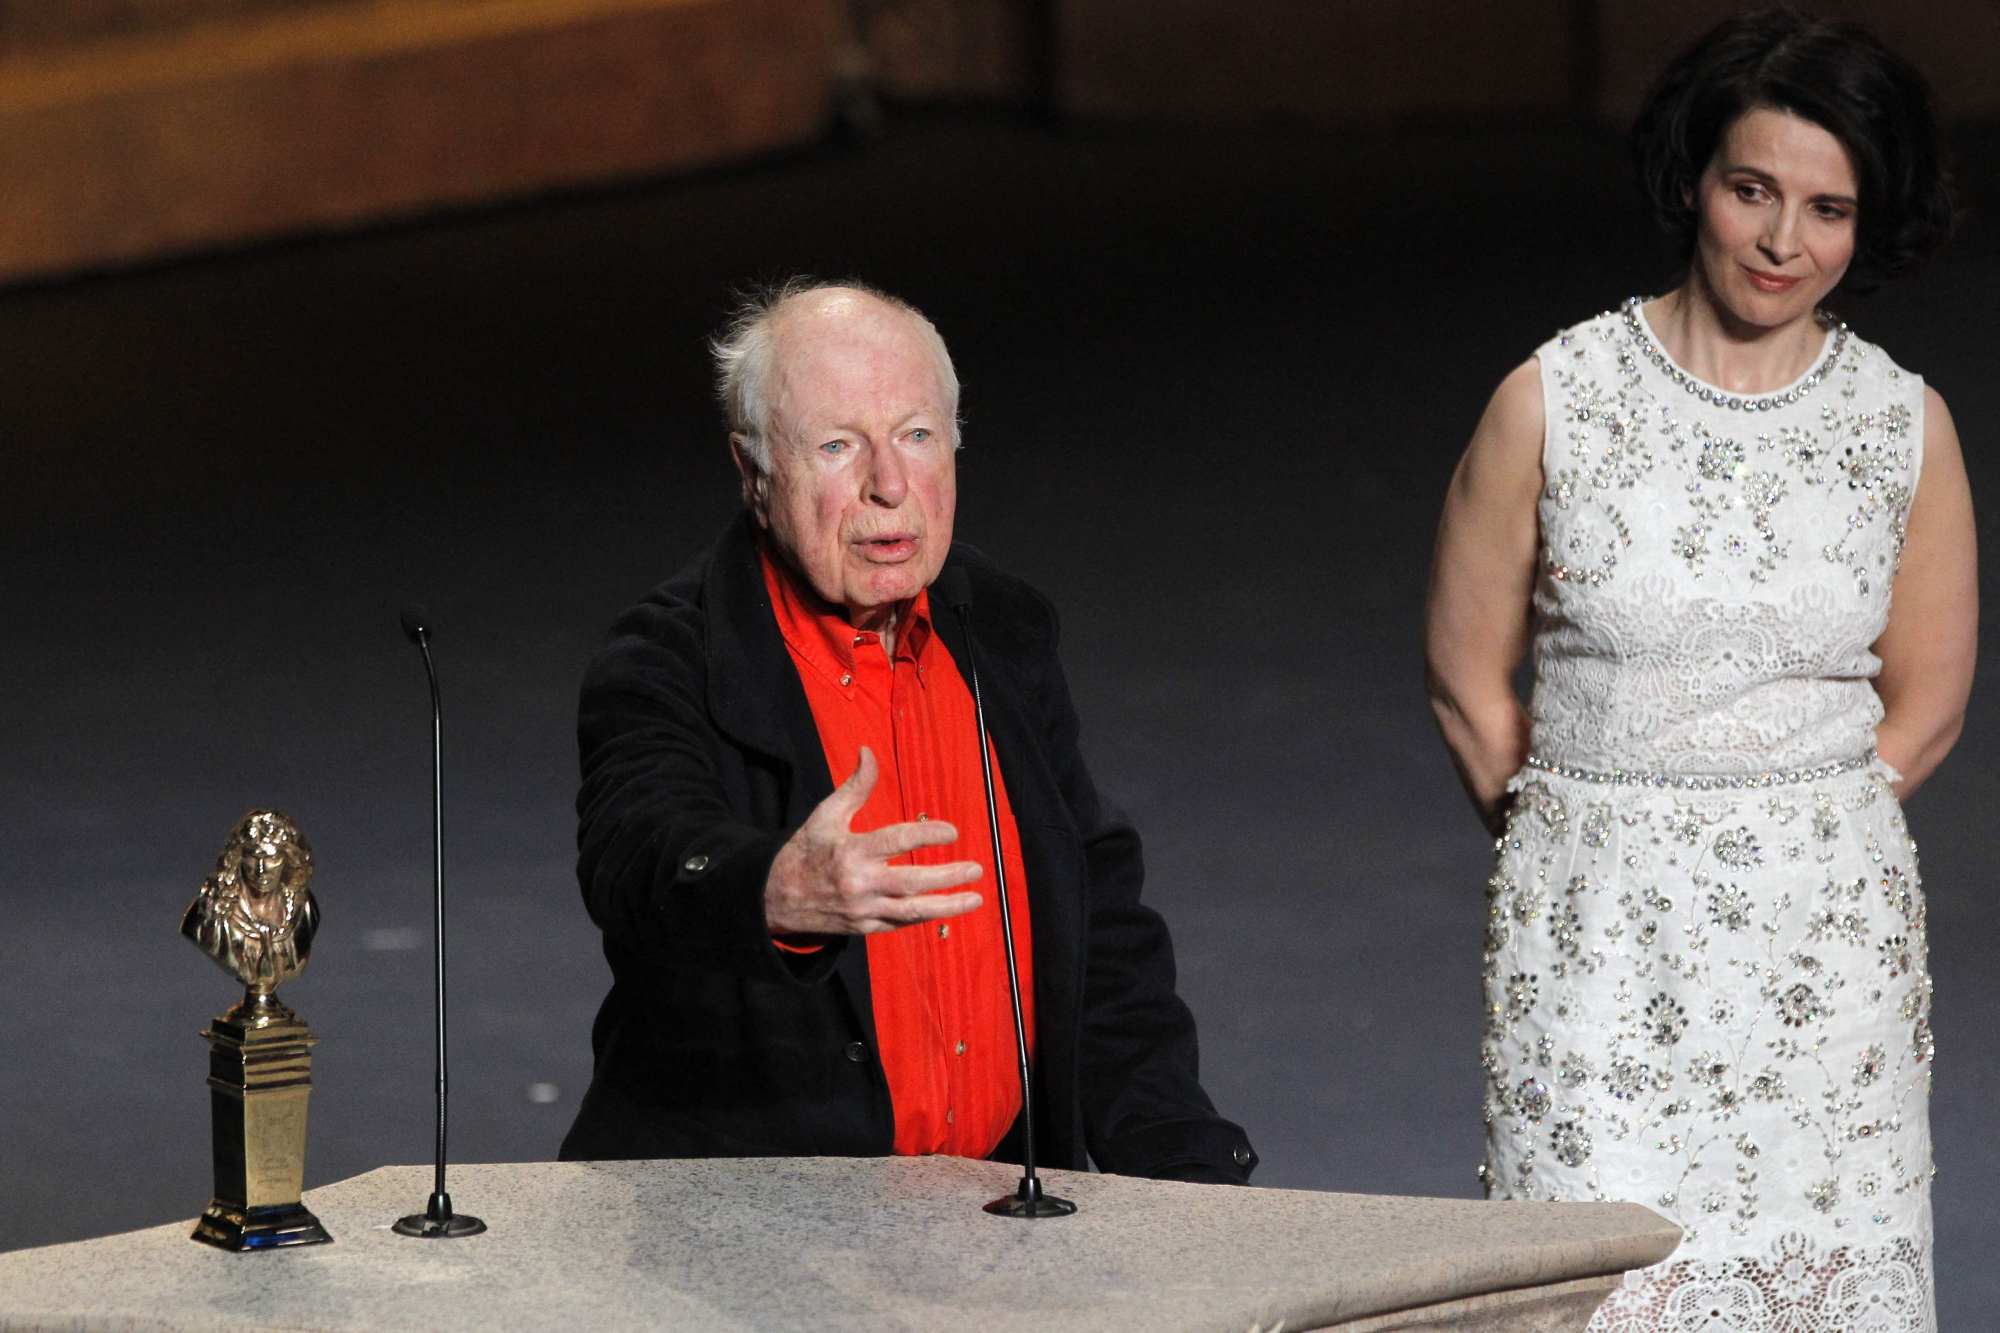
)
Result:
{"points": [[892, 840], [851, 795], [908, 881], [897, 912]]}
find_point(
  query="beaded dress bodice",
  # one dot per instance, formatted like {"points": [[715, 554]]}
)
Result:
{"points": [[1714, 569]]}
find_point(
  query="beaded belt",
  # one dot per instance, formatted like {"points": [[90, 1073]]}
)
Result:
{"points": [[1627, 777]]}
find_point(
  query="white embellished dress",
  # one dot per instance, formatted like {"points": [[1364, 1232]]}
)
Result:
{"points": [[1705, 970]]}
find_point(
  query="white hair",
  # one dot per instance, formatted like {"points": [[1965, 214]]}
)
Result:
{"points": [[745, 348]]}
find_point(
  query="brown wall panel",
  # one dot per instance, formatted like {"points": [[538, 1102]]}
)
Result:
{"points": [[1956, 43], [1364, 60], [45, 23], [131, 147], [955, 50], [1341, 60], [130, 128]]}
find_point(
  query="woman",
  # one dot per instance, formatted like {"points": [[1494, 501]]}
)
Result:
{"points": [[1740, 541]]}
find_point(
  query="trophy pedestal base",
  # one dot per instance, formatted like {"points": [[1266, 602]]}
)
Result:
{"points": [[237, 1229], [259, 1079]]}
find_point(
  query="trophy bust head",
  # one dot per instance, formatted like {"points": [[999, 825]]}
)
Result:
{"points": [[255, 916]]}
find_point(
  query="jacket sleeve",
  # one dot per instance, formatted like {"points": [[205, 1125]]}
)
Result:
{"points": [[671, 866], [1145, 1112]]}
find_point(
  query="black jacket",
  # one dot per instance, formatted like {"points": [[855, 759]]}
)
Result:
{"points": [[699, 759]]}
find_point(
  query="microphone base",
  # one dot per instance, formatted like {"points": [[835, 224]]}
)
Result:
{"points": [[451, 1228], [438, 1222], [1028, 1201]]}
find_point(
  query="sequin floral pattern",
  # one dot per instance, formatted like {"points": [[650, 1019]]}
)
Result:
{"points": [[1705, 965], [1712, 578]]}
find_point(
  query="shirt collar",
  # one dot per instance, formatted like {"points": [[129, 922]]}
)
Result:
{"points": [[822, 635]]}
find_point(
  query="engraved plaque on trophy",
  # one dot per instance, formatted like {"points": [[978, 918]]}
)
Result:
{"points": [[256, 918]]}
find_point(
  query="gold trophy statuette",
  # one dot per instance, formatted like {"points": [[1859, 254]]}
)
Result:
{"points": [[256, 919]]}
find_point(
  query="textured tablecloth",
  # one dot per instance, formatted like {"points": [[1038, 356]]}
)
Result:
{"points": [[830, 1243]]}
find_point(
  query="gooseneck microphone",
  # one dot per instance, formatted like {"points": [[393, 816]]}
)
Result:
{"points": [[1027, 1200], [437, 1221]]}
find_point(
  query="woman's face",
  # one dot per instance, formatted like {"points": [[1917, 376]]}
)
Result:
{"points": [[1776, 218]]}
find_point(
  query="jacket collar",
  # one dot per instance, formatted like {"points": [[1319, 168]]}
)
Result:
{"points": [[754, 695]]}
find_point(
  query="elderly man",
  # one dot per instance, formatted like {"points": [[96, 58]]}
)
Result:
{"points": [[800, 968]]}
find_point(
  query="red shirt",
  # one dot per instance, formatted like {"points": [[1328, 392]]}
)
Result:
{"points": [[943, 1025]]}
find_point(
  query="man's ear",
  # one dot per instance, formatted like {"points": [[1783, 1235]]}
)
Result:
{"points": [[756, 485]]}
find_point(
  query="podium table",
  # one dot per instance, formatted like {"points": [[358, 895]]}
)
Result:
{"points": [[844, 1243]]}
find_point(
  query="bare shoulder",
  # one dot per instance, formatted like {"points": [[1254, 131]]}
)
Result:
{"points": [[1516, 410], [1940, 431], [1942, 486], [1506, 448]]}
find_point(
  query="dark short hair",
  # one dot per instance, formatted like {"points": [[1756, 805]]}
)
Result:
{"points": [[1839, 77]]}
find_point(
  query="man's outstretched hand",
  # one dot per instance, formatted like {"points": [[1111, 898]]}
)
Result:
{"points": [[829, 880]]}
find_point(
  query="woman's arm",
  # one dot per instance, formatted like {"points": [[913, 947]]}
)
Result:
{"points": [[1933, 635], [1482, 576]]}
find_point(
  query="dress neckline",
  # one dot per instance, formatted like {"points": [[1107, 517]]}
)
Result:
{"points": [[1648, 344]]}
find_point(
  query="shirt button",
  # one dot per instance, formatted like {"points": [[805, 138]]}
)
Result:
{"points": [[922, 817], [1242, 1154], [949, 1115], [847, 678], [944, 931], [860, 639], [695, 864], [856, 1052], [961, 1048]]}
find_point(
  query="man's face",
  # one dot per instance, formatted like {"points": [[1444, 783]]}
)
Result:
{"points": [[863, 484], [261, 868]]}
